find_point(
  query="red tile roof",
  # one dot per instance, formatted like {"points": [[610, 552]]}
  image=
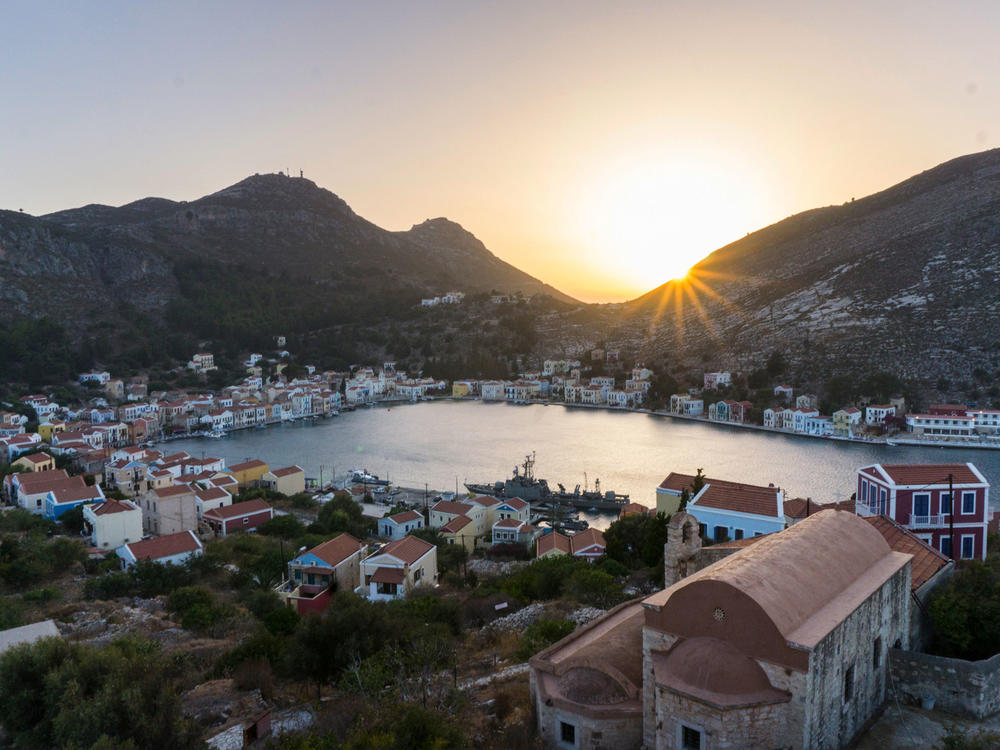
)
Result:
{"points": [[237, 510], [287, 471], [41, 477], [164, 546], [587, 538], [516, 503], [456, 524], [212, 493], [551, 541], [487, 501], [247, 465], [927, 474], [927, 561], [112, 506], [409, 549], [455, 509], [406, 515], [388, 575], [76, 494], [335, 551], [726, 495], [634, 509], [37, 458]]}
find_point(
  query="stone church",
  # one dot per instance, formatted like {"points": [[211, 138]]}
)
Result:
{"points": [[780, 645]]}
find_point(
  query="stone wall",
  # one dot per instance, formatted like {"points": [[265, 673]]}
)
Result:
{"points": [[965, 688], [883, 618], [763, 726], [591, 732]]}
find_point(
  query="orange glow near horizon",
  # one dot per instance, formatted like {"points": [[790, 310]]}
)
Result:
{"points": [[650, 214]]}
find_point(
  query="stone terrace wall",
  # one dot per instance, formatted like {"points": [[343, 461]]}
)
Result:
{"points": [[965, 688]]}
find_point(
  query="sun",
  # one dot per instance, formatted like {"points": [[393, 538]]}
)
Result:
{"points": [[652, 215]]}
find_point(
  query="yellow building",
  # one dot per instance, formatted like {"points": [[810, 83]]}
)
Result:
{"points": [[460, 530], [460, 390], [249, 473], [47, 429], [288, 481], [35, 462]]}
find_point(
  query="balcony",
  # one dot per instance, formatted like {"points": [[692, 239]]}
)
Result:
{"points": [[928, 521]]}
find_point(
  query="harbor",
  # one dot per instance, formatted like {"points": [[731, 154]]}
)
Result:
{"points": [[445, 444]]}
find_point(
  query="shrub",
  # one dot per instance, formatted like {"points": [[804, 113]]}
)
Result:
{"points": [[255, 674], [42, 596], [541, 635], [591, 586]]}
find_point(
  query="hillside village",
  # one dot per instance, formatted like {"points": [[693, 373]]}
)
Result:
{"points": [[193, 548]]}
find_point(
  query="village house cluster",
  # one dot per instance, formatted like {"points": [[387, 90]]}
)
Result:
{"points": [[365, 386], [561, 378]]}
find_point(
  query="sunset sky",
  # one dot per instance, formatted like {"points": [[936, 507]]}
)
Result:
{"points": [[602, 147]]}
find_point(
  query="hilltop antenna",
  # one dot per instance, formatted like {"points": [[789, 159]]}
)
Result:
{"points": [[300, 174]]}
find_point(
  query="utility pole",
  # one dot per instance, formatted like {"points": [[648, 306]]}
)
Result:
{"points": [[951, 494]]}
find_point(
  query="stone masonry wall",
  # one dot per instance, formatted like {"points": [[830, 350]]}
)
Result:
{"points": [[965, 688], [591, 733], [833, 721], [754, 726]]}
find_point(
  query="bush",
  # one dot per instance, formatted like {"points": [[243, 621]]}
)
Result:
{"points": [[281, 621], [591, 586], [541, 635], [42, 596], [286, 527], [965, 612], [255, 674], [956, 738]]}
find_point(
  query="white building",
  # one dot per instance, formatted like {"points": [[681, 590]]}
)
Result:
{"points": [[113, 523]]}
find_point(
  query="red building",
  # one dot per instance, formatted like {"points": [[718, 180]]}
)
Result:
{"points": [[238, 516], [917, 497]]}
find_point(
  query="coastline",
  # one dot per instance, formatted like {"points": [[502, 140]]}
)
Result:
{"points": [[900, 440]]}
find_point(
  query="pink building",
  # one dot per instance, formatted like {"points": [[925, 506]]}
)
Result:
{"points": [[917, 497]]}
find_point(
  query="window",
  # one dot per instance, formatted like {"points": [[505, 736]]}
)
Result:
{"points": [[703, 530], [864, 489], [946, 503], [246, 520], [690, 738], [849, 684], [418, 574], [877, 653], [721, 533], [968, 546], [922, 504], [567, 733], [738, 533], [968, 502], [945, 545]]}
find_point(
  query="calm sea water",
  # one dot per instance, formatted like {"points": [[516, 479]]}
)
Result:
{"points": [[450, 442]]}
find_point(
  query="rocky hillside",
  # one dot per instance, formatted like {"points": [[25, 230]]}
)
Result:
{"points": [[289, 225], [906, 280]]}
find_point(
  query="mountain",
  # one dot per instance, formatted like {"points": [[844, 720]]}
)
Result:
{"points": [[290, 225], [906, 280]]}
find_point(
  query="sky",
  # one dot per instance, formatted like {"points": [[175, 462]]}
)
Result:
{"points": [[602, 147]]}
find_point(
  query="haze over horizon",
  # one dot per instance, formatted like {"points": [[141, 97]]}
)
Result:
{"points": [[602, 150]]}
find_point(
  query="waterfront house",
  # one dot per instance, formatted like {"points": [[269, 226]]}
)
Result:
{"points": [[941, 426], [770, 417], [724, 509], [918, 497], [845, 420], [249, 473], [987, 421], [819, 425], [800, 416], [170, 549], [875, 414], [60, 500], [399, 525], [785, 418], [493, 390], [588, 544], [314, 575], [112, 523], [719, 411], [760, 649], [169, 510], [289, 480], [677, 401], [246, 516], [398, 567]]}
